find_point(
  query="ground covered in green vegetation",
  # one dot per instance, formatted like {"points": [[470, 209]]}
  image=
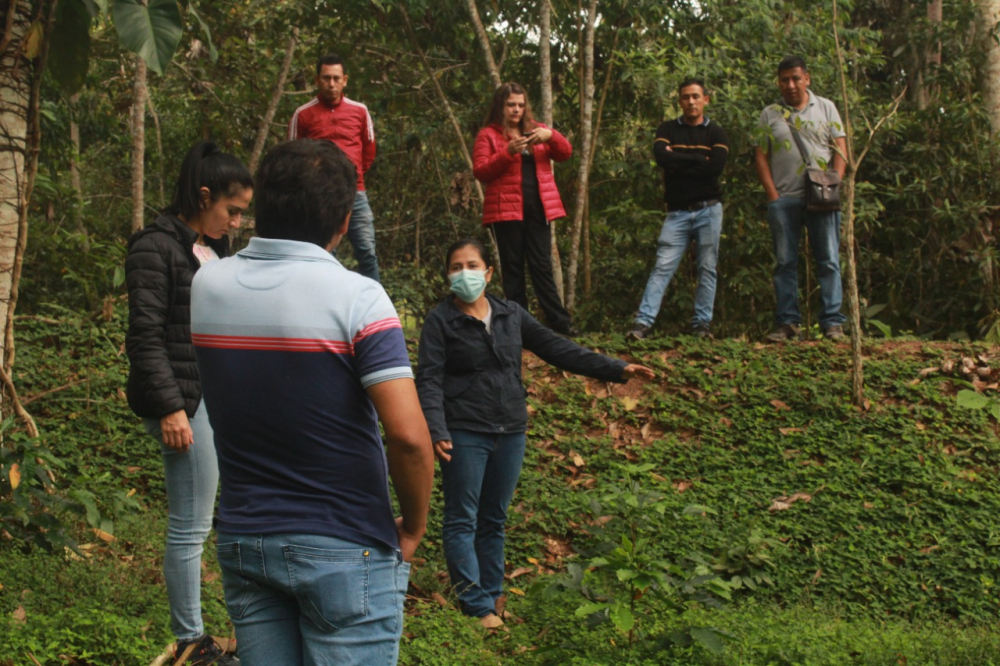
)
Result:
{"points": [[736, 510]]}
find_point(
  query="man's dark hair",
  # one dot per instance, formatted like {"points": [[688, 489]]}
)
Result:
{"points": [[305, 189], [791, 62], [693, 81], [474, 243], [207, 166], [330, 59]]}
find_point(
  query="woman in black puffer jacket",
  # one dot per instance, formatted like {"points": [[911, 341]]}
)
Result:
{"points": [[213, 191]]}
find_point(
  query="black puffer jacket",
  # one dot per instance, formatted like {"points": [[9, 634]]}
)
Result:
{"points": [[163, 376]]}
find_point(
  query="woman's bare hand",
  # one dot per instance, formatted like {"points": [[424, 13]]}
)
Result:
{"points": [[633, 370], [176, 431]]}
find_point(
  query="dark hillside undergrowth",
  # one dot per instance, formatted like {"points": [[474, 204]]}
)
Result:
{"points": [[859, 536]]}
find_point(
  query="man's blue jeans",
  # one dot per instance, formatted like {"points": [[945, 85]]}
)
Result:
{"points": [[786, 217], [479, 484], [704, 227], [306, 599], [191, 480], [361, 233]]}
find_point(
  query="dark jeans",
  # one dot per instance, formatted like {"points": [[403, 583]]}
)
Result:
{"points": [[478, 485], [531, 240]]}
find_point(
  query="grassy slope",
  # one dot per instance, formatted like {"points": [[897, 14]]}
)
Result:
{"points": [[894, 553]]}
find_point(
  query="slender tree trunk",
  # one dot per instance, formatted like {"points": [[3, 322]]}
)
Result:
{"points": [[160, 177], [138, 143], [927, 94], [989, 16], [545, 67], [583, 176], [279, 86], [74, 174], [853, 300], [484, 42]]}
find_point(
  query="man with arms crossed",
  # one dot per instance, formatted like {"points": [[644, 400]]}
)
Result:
{"points": [[780, 168], [300, 359], [692, 151], [333, 117]]}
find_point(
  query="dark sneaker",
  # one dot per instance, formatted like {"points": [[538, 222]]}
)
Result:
{"points": [[638, 331], [203, 652], [567, 331], [702, 332], [835, 333], [783, 333]]}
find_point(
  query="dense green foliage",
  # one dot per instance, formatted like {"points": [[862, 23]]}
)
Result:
{"points": [[890, 548], [925, 216]]}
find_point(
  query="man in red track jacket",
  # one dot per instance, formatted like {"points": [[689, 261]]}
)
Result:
{"points": [[333, 117]]}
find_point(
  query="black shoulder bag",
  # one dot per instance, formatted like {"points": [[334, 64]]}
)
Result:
{"points": [[822, 185]]}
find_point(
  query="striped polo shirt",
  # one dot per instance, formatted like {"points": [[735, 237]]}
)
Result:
{"points": [[287, 341]]}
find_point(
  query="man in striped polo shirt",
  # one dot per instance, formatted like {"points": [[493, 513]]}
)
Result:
{"points": [[299, 360], [333, 117]]}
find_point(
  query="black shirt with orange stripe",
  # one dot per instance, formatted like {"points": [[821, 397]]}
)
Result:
{"points": [[692, 158]]}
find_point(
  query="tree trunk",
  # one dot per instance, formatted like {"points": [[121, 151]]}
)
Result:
{"points": [[138, 143], [989, 16], [847, 187], [927, 94], [74, 174], [272, 107], [484, 42], [583, 174], [545, 67]]}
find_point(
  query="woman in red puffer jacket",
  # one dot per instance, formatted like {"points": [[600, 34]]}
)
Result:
{"points": [[513, 159]]}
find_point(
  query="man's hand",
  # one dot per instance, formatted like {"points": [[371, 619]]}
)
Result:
{"points": [[407, 542], [176, 431], [442, 448]]}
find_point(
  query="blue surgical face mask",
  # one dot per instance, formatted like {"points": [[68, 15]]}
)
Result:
{"points": [[468, 284]]}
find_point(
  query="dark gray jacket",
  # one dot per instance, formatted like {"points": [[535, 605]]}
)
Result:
{"points": [[469, 379], [163, 375]]}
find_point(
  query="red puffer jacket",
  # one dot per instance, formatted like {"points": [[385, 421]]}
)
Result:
{"points": [[500, 172]]}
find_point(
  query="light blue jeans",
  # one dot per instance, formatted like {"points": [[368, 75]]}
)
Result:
{"points": [[786, 217], [478, 484], [704, 227], [311, 600], [191, 480], [361, 233]]}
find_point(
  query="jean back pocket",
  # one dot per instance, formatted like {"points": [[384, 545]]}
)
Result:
{"points": [[330, 585]]}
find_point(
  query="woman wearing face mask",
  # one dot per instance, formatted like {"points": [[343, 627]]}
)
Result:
{"points": [[469, 382], [213, 191], [513, 157]]}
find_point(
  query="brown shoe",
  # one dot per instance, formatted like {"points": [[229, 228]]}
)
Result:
{"points": [[783, 333], [834, 333], [491, 621]]}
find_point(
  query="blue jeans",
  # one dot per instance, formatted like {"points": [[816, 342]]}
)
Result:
{"points": [[478, 484], [306, 599], [191, 480], [786, 217], [361, 233], [680, 228]]}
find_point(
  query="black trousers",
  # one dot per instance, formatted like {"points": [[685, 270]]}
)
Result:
{"points": [[531, 240]]}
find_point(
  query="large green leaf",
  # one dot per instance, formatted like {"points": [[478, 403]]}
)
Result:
{"points": [[152, 31], [709, 638], [206, 31], [69, 50], [622, 617], [972, 400]]}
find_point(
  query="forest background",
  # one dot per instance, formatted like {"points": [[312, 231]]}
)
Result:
{"points": [[106, 131]]}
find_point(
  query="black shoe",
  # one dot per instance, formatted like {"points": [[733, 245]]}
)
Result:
{"points": [[783, 333], [203, 652], [638, 331], [702, 332], [567, 331]]}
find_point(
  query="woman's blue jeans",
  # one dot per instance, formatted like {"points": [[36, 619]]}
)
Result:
{"points": [[313, 600], [786, 217], [191, 480], [479, 484]]}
